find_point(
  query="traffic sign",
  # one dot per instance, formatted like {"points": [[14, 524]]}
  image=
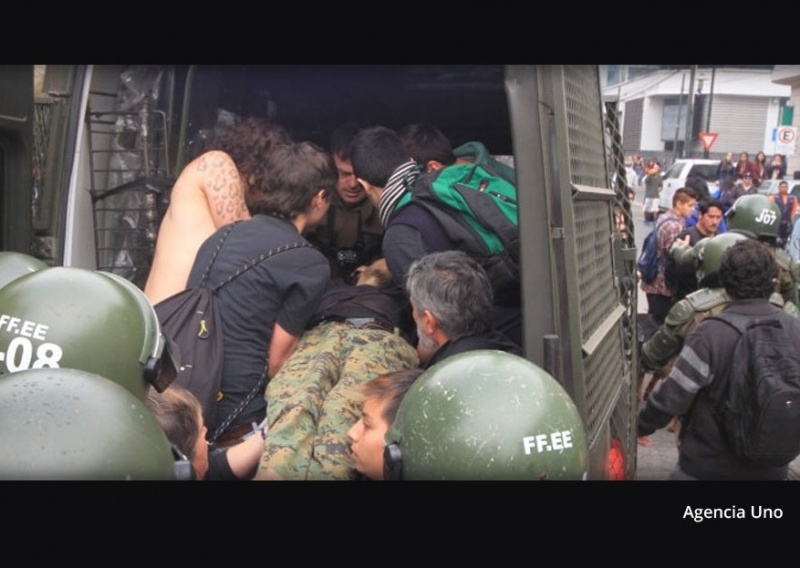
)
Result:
{"points": [[786, 135], [708, 139], [786, 140]]}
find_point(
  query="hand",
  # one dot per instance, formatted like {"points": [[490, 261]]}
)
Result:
{"points": [[679, 243]]}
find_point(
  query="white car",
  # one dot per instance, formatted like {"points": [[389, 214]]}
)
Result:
{"points": [[676, 175], [770, 186]]}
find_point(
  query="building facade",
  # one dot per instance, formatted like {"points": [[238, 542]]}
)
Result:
{"points": [[790, 75], [663, 111]]}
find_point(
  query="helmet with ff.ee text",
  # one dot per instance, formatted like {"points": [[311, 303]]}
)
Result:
{"points": [[486, 414], [82, 319]]}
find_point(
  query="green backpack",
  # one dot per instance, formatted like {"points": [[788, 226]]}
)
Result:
{"points": [[476, 153], [478, 211]]}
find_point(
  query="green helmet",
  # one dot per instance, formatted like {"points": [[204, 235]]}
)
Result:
{"points": [[83, 319], [486, 414], [16, 264], [754, 215], [711, 255], [67, 424]]}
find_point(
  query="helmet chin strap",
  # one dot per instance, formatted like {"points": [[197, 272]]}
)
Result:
{"points": [[183, 466], [392, 462]]}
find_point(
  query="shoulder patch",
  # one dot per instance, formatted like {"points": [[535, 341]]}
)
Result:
{"points": [[705, 299]]}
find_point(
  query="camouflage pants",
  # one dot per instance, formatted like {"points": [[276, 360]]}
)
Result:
{"points": [[316, 397]]}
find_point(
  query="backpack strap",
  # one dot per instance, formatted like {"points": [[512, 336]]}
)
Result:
{"points": [[664, 220], [270, 253], [660, 223], [738, 322], [742, 323], [263, 380], [216, 252], [420, 216]]}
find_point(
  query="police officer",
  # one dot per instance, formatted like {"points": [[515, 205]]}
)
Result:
{"points": [[65, 317], [351, 235], [486, 414], [757, 216], [709, 300], [80, 351], [68, 424], [16, 264]]}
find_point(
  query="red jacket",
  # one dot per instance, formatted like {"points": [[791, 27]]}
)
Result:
{"points": [[759, 172], [743, 168]]}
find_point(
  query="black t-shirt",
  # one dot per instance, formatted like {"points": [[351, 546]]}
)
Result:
{"points": [[286, 288]]}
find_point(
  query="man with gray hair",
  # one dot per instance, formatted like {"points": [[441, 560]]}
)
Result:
{"points": [[451, 301]]}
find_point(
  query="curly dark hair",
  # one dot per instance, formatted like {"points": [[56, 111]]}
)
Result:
{"points": [[249, 141], [748, 270]]}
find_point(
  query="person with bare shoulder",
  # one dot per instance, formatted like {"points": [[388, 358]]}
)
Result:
{"points": [[208, 194]]}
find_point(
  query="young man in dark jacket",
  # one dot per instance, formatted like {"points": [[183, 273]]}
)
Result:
{"points": [[384, 167], [747, 271]]}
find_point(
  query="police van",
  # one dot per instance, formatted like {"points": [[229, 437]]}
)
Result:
{"points": [[88, 155]]}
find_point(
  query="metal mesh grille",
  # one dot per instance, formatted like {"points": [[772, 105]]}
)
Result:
{"points": [[603, 369], [595, 273], [130, 185], [587, 162]]}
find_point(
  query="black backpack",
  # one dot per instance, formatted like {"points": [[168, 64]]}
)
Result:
{"points": [[191, 320], [759, 410]]}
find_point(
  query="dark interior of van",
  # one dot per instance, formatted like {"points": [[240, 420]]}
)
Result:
{"points": [[466, 102]]}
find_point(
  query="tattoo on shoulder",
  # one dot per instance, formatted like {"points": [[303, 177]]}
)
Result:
{"points": [[225, 188]]}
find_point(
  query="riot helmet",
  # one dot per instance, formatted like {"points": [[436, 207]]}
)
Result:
{"points": [[711, 254], [67, 424], [83, 319], [16, 264], [755, 216], [486, 414]]}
